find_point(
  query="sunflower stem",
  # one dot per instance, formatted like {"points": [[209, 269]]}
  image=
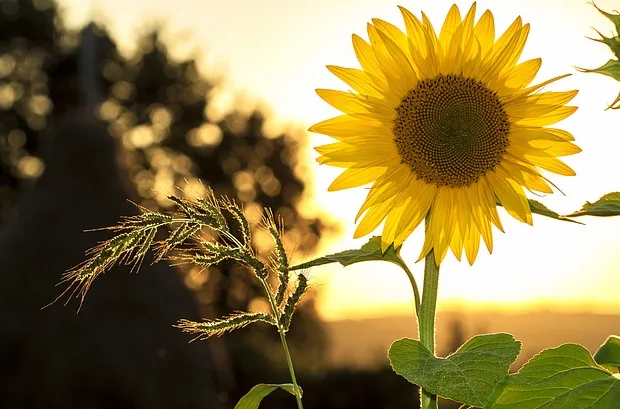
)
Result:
{"points": [[426, 318]]}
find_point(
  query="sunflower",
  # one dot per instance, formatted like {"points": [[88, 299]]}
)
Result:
{"points": [[444, 126]]}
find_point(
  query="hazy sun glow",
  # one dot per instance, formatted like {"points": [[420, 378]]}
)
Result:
{"points": [[277, 50]]}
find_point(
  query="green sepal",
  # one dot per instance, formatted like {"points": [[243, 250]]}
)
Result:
{"points": [[612, 42], [614, 18]]}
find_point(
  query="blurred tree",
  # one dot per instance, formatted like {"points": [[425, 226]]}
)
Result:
{"points": [[158, 108]]}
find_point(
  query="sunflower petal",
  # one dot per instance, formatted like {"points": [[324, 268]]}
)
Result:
{"points": [[510, 195], [363, 107], [485, 32], [356, 79], [354, 177]]}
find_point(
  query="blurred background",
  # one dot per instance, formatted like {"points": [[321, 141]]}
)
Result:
{"points": [[102, 102]]}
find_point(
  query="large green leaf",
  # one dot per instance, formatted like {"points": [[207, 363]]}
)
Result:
{"points": [[607, 205], [468, 376], [561, 378], [253, 398], [609, 353], [371, 251]]}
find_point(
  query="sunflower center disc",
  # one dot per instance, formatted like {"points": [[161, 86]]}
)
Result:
{"points": [[451, 130]]}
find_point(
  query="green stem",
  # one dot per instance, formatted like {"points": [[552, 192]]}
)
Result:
{"points": [[282, 332], [426, 318], [291, 370], [414, 286]]}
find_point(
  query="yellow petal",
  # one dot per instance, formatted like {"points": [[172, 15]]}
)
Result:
{"points": [[527, 177], [392, 183], [433, 58], [391, 223], [368, 152], [552, 165], [346, 126], [423, 195], [486, 198], [468, 21], [373, 218], [367, 60], [421, 47], [472, 244], [393, 33], [407, 78], [453, 20], [555, 148], [485, 32], [354, 177], [499, 58], [538, 104], [398, 84], [456, 244], [356, 79], [510, 195], [505, 98], [363, 107], [442, 222], [548, 118], [523, 74], [528, 134]]}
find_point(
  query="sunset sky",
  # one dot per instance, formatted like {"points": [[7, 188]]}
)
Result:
{"points": [[275, 51]]}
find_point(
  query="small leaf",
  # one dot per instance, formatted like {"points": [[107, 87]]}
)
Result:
{"points": [[563, 377], [608, 205], [253, 398], [539, 208], [371, 251], [609, 353], [468, 376]]}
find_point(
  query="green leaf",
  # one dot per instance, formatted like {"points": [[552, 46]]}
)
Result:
{"points": [[609, 353], [371, 251], [468, 376], [253, 398], [539, 208], [563, 377], [608, 205]]}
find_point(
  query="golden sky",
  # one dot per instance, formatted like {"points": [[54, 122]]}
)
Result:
{"points": [[276, 50]]}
